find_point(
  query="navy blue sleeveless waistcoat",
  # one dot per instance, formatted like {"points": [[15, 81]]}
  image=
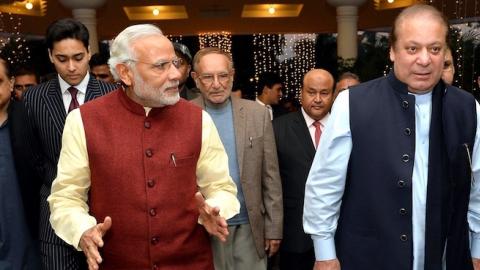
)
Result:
{"points": [[375, 225]]}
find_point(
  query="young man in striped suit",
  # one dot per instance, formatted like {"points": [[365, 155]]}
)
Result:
{"points": [[47, 106]]}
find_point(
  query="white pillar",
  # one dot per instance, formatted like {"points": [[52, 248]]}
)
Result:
{"points": [[89, 19], [86, 13], [347, 19]]}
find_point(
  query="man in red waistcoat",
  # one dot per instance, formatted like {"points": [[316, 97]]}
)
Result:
{"points": [[140, 162]]}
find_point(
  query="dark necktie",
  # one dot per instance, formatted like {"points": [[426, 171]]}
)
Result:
{"points": [[74, 103], [318, 132]]}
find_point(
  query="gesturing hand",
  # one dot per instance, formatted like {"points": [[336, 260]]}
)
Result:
{"points": [[476, 263], [91, 240], [211, 219]]}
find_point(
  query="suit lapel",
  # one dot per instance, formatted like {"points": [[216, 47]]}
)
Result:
{"points": [[54, 104], [93, 90], [303, 135], [240, 126]]}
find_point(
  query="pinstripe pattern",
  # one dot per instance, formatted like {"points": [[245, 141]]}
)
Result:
{"points": [[46, 116]]}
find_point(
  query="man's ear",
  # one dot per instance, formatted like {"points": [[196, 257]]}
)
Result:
{"points": [[50, 56], [392, 54], [195, 77], [124, 73]]}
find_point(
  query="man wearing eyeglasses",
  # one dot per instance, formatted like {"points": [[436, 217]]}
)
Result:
{"points": [[140, 168], [25, 77], [246, 132]]}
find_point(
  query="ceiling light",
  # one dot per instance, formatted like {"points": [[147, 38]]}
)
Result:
{"points": [[271, 10], [155, 11], [29, 5], [390, 1]]}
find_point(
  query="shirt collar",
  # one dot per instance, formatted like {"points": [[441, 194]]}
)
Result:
{"points": [[261, 103], [310, 120], [82, 86]]}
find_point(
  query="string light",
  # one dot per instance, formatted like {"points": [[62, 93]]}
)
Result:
{"points": [[290, 55], [178, 39], [29, 5], [155, 12], [14, 44], [222, 40]]}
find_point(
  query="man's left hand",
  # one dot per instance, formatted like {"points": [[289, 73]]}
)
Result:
{"points": [[476, 263], [272, 246], [211, 219]]}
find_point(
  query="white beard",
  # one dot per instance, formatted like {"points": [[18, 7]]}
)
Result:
{"points": [[154, 97]]}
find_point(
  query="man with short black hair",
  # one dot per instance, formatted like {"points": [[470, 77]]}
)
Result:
{"points": [[270, 87], [99, 68], [25, 77], [47, 106]]}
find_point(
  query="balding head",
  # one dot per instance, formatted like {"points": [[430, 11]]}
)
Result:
{"points": [[415, 11], [317, 93]]}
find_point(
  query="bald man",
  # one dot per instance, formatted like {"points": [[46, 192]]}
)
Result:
{"points": [[297, 135]]}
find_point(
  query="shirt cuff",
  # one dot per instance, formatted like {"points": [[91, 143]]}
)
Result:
{"points": [[324, 248], [81, 228], [475, 249]]}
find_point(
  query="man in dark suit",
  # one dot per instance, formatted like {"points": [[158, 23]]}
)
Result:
{"points": [[47, 105], [17, 250], [297, 135]]}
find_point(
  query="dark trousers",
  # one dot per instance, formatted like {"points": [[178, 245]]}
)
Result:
{"points": [[297, 261]]}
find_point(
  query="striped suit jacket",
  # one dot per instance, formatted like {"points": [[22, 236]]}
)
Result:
{"points": [[46, 119]]}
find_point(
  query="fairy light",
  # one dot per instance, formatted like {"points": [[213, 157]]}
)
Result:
{"points": [[29, 5], [155, 12], [291, 56], [265, 49], [222, 40], [172, 38], [15, 43]]}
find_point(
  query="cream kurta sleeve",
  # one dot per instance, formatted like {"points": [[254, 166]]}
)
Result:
{"points": [[68, 199], [213, 177]]}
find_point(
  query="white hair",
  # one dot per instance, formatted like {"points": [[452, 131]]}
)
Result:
{"points": [[121, 52]]}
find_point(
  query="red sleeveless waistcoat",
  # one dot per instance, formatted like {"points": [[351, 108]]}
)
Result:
{"points": [[143, 175]]}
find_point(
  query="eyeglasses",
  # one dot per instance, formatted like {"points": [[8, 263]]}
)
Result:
{"points": [[161, 66], [208, 79], [21, 87]]}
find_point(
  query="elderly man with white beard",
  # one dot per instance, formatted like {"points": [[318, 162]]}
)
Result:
{"points": [[125, 164]]}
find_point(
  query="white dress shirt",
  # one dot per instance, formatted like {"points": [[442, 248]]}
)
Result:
{"points": [[326, 181], [270, 110], [81, 87], [311, 127]]}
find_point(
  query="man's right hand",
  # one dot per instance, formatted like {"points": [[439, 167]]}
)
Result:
{"points": [[91, 240], [327, 265]]}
